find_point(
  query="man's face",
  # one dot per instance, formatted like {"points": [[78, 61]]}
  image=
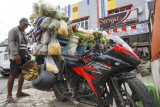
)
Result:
{"points": [[23, 25]]}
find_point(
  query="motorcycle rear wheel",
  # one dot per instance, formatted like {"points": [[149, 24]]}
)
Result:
{"points": [[137, 96]]}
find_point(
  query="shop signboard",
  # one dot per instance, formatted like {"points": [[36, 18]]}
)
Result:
{"points": [[125, 17]]}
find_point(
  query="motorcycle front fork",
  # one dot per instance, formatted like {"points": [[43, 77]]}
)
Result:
{"points": [[114, 82]]}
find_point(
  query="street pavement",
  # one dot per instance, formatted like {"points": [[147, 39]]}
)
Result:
{"points": [[39, 98]]}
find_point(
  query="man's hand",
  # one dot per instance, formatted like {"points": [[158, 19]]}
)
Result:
{"points": [[29, 56], [17, 59]]}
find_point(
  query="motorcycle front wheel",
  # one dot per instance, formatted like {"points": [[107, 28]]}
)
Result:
{"points": [[133, 93]]}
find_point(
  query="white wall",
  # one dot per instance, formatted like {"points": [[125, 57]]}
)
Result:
{"points": [[155, 66]]}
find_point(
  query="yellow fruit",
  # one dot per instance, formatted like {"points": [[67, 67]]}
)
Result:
{"points": [[54, 49], [52, 68], [31, 70], [24, 72], [36, 74], [31, 17], [32, 73]]}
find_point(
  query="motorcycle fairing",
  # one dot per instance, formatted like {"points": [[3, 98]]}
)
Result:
{"points": [[87, 77]]}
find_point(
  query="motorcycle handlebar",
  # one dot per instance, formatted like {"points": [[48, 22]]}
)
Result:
{"points": [[86, 53]]}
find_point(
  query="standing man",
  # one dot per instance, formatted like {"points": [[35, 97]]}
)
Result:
{"points": [[137, 51], [18, 53]]}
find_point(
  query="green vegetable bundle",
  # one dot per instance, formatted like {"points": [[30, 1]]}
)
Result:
{"points": [[47, 10], [83, 37]]}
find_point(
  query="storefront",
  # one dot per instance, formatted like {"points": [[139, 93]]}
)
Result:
{"points": [[136, 34]]}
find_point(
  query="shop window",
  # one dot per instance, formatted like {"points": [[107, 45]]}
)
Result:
{"points": [[82, 23], [119, 10], [86, 23], [128, 8], [122, 10]]}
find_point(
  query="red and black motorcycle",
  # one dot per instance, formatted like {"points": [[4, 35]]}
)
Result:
{"points": [[101, 77]]}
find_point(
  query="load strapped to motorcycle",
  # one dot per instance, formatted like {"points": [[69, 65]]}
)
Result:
{"points": [[54, 41], [86, 65]]}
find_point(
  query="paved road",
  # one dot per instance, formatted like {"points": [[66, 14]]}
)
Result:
{"points": [[41, 98]]}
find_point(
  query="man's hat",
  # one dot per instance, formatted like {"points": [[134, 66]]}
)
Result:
{"points": [[25, 20]]}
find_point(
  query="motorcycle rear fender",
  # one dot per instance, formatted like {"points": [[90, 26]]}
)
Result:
{"points": [[125, 75]]}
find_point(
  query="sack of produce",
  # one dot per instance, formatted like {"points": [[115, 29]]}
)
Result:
{"points": [[37, 32], [54, 24], [36, 7], [73, 45], [54, 48], [46, 22], [30, 70], [50, 65], [104, 39], [33, 49], [43, 50], [45, 37], [65, 17], [59, 15], [47, 9], [40, 20], [38, 38], [36, 20], [63, 28], [70, 31]]}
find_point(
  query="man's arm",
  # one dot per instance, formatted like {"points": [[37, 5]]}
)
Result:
{"points": [[12, 35]]}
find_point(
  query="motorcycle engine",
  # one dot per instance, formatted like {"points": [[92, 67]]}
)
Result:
{"points": [[84, 88]]}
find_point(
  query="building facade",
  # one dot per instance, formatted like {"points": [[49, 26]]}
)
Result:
{"points": [[87, 13], [128, 19]]}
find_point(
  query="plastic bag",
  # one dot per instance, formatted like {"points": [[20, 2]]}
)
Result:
{"points": [[43, 50], [36, 20], [35, 7], [45, 37], [70, 32], [54, 48], [64, 17], [51, 66], [54, 24], [40, 20], [46, 22], [63, 28], [47, 9], [34, 48], [40, 49], [59, 15], [38, 32], [104, 39]]}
